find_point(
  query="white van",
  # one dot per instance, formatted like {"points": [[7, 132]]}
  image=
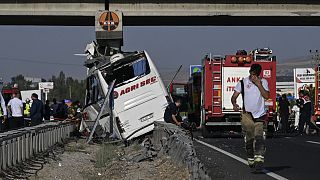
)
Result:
{"points": [[140, 97]]}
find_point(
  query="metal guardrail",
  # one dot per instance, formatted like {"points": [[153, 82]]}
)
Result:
{"points": [[16, 146]]}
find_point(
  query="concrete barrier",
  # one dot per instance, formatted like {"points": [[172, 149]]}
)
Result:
{"points": [[177, 143]]}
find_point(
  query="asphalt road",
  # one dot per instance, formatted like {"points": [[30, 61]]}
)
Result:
{"points": [[286, 158]]}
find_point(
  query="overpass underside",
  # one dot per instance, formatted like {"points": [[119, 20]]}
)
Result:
{"points": [[164, 13]]}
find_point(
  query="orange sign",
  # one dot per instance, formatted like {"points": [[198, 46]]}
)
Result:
{"points": [[109, 21]]}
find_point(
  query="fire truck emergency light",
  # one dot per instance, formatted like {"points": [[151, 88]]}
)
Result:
{"points": [[240, 60]]}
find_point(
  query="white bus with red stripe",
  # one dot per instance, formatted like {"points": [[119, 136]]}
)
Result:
{"points": [[140, 96]]}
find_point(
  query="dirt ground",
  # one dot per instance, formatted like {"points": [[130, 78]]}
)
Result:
{"points": [[107, 161]]}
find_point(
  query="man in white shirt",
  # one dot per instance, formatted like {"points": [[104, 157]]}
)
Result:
{"points": [[296, 111], [3, 113], [15, 107], [253, 122]]}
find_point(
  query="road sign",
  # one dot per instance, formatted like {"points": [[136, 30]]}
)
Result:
{"points": [[45, 85], [109, 21], [304, 79], [195, 69]]}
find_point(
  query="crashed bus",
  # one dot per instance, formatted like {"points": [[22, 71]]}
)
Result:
{"points": [[139, 96]]}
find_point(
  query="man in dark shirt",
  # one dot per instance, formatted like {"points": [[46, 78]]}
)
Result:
{"points": [[36, 111], [306, 112], [172, 111], [284, 108], [54, 108]]}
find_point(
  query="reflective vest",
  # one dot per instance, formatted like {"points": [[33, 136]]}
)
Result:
{"points": [[26, 111], [1, 112]]}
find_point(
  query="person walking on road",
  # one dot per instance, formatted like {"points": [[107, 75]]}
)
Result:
{"points": [[254, 90], [284, 109], [3, 113], [306, 109], [15, 108], [36, 113]]}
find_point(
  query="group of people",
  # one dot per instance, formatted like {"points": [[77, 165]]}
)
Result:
{"points": [[302, 110], [13, 114]]}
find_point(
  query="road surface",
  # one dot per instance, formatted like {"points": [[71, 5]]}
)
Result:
{"points": [[291, 158]]}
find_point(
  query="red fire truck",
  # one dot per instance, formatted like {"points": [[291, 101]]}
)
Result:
{"points": [[219, 78], [7, 93], [317, 96]]}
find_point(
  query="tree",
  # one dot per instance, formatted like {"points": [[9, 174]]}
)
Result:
{"points": [[22, 83], [66, 86], [63, 87]]}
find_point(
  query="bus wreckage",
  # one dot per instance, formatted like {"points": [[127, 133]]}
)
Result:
{"points": [[124, 94]]}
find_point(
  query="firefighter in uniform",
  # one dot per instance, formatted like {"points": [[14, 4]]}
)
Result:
{"points": [[254, 90]]}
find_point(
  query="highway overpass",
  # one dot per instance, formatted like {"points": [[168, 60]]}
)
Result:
{"points": [[163, 12]]}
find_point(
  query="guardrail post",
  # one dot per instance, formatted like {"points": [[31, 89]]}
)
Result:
{"points": [[4, 154], [19, 149], [10, 152], [1, 154]]}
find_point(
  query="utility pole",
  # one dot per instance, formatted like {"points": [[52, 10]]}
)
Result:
{"points": [[70, 91], [106, 5]]}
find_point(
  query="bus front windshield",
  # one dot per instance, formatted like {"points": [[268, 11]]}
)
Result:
{"points": [[130, 70]]}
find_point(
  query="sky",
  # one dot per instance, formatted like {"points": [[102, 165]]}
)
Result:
{"points": [[40, 51]]}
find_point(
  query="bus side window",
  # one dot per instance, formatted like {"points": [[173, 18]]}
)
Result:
{"points": [[94, 92]]}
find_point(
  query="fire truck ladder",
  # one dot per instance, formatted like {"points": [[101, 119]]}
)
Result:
{"points": [[318, 88], [217, 83]]}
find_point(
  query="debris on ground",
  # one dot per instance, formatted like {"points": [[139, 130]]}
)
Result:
{"points": [[110, 161]]}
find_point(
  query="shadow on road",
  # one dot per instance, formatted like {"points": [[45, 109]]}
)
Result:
{"points": [[277, 168]]}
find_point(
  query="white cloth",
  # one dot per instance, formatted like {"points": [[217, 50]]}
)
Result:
{"points": [[16, 106], [253, 100], [3, 105], [83, 126], [296, 111]]}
